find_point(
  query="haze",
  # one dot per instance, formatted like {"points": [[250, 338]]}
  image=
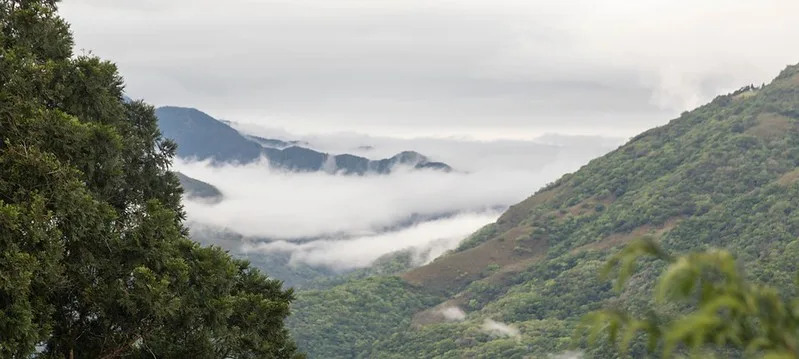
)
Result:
{"points": [[482, 69]]}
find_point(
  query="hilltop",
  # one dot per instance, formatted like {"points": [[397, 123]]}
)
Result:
{"points": [[723, 175], [202, 137]]}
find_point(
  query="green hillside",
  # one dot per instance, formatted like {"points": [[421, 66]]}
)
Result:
{"points": [[723, 175]]}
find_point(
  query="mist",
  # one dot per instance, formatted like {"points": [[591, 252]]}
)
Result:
{"points": [[344, 222], [426, 241], [464, 153], [453, 314], [499, 329], [567, 355]]}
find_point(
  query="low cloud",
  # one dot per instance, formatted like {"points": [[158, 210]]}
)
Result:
{"points": [[261, 202], [347, 222], [426, 240], [567, 355], [454, 314], [542, 153], [499, 329]]}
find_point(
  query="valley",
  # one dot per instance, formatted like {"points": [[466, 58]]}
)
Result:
{"points": [[392, 180], [288, 220]]}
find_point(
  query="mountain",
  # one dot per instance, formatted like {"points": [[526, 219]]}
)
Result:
{"points": [[202, 137], [724, 175], [196, 189], [275, 143]]}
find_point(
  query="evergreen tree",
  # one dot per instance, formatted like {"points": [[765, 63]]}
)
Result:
{"points": [[94, 259]]}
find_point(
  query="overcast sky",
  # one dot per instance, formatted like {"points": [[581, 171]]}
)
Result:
{"points": [[484, 69]]}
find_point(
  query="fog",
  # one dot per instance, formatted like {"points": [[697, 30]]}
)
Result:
{"points": [[426, 240], [567, 355], [463, 153], [274, 204], [343, 222], [453, 314], [499, 329]]}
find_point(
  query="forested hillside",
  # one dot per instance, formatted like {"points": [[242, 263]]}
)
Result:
{"points": [[724, 175], [94, 258]]}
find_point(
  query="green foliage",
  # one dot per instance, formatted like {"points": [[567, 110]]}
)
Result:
{"points": [[482, 235], [726, 311], [725, 175], [348, 318], [94, 259]]}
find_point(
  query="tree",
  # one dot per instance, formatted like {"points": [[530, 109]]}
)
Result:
{"points": [[724, 310], [94, 258]]}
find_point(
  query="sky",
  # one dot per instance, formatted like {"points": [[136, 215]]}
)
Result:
{"points": [[498, 69]]}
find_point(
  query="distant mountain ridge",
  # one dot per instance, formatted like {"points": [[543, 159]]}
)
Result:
{"points": [[275, 143], [202, 137]]}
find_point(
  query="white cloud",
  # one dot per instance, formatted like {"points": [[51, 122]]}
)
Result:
{"points": [[462, 153], [347, 222], [279, 205], [499, 329], [567, 355], [427, 240], [263, 202], [453, 314]]}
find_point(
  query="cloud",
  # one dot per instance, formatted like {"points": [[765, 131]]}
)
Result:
{"points": [[567, 355], [463, 153], [453, 314], [273, 204], [426, 240], [347, 222], [499, 329], [489, 69], [263, 202]]}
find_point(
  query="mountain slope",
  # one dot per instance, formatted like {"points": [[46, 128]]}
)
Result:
{"points": [[723, 175], [196, 189], [200, 136]]}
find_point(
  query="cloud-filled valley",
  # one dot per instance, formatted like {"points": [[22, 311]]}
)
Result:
{"points": [[342, 221], [426, 241]]}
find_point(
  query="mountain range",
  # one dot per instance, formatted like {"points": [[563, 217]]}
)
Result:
{"points": [[724, 175], [202, 137]]}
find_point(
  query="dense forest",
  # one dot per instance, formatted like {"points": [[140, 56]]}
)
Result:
{"points": [[724, 175], [94, 259]]}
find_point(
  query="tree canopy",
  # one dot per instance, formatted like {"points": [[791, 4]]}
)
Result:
{"points": [[724, 311], [94, 259]]}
